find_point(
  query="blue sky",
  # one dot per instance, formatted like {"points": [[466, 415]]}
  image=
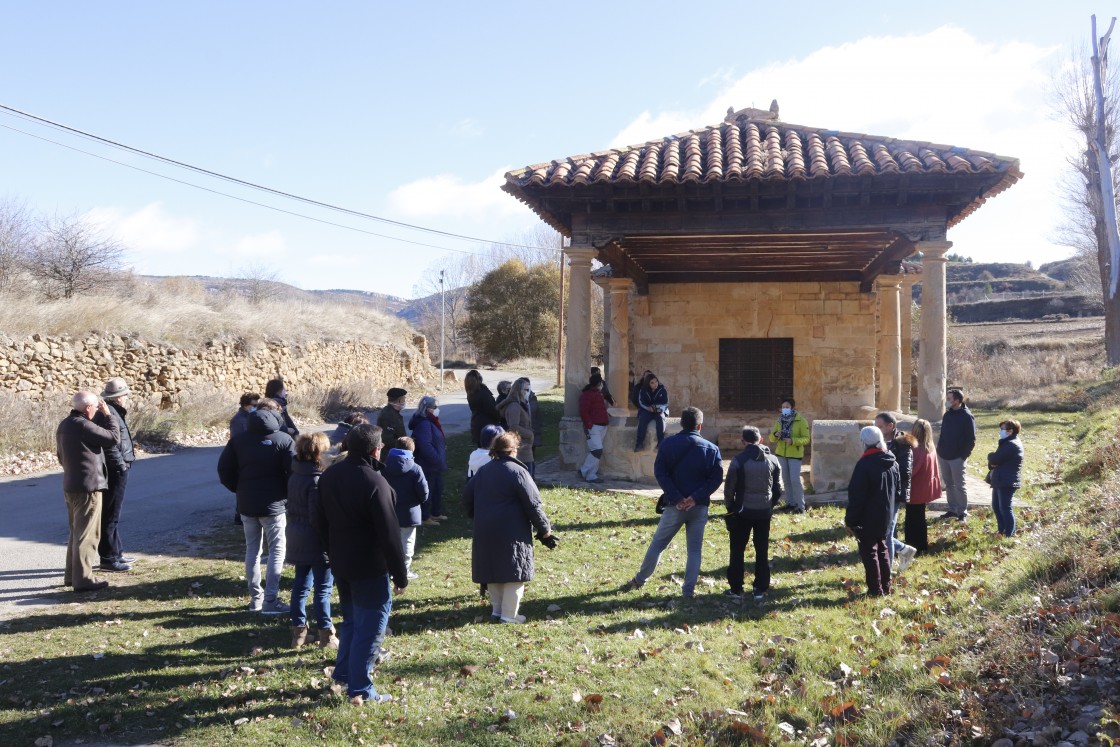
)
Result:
{"points": [[413, 111]]}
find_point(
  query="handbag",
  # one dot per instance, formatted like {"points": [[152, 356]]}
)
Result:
{"points": [[663, 500], [990, 476]]}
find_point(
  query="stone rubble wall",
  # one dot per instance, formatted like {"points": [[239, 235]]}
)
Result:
{"points": [[40, 366]]}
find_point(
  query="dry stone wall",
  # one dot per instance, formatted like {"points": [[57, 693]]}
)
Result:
{"points": [[40, 366]]}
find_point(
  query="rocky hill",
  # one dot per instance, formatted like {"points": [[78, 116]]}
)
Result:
{"points": [[1001, 291]]}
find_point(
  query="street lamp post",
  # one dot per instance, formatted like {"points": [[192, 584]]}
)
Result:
{"points": [[442, 333]]}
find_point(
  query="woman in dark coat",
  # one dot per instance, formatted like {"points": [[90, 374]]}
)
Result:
{"points": [[431, 455], [304, 550], [1006, 464], [506, 508], [484, 410], [277, 390]]}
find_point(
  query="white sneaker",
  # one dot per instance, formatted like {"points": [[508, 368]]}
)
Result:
{"points": [[518, 620], [413, 575], [906, 557]]}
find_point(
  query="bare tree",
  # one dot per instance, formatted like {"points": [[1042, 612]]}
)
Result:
{"points": [[260, 282], [16, 234], [1085, 227], [70, 256]]}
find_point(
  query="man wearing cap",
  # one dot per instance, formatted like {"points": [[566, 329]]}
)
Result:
{"points": [[118, 461], [80, 439], [390, 420], [871, 496]]}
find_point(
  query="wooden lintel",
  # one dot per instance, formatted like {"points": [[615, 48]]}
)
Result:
{"points": [[623, 266], [723, 276], [893, 254]]}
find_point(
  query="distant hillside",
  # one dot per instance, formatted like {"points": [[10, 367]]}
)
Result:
{"points": [[1000, 291]]}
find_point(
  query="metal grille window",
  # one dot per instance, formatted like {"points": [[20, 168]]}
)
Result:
{"points": [[754, 373]]}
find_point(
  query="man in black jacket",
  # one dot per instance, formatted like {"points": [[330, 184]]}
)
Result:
{"points": [[256, 466], [901, 446], [390, 419], [871, 494], [954, 446], [80, 439], [356, 520], [752, 488], [118, 461]]}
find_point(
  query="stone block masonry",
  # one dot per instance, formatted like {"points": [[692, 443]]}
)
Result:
{"points": [[40, 366]]}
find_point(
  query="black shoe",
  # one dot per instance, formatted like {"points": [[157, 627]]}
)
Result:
{"points": [[126, 559], [734, 596], [114, 565], [95, 586]]}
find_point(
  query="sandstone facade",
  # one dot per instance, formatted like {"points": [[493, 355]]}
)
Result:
{"points": [[40, 365], [676, 329]]}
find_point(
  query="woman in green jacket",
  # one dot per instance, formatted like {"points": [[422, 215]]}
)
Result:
{"points": [[790, 436]]}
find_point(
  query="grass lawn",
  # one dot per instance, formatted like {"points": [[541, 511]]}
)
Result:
{"points": [[170, 655]]}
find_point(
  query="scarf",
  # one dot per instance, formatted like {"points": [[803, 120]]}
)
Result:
{"points": [[435, 420], [787, 424]]}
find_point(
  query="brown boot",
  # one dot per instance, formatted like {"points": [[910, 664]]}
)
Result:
{"points": [[299, 636], [327, 638]]}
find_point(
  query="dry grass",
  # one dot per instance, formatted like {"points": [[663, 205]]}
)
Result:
{"points": [[1036, 365], [181, 311], [27, 426]]}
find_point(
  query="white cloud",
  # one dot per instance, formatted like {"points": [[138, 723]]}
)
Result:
{"points": [[151, 229], [269, 244], [944, 86], [448, 195]]}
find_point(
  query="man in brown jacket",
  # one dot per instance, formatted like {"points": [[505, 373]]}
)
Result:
{"points": [[81, 438]]}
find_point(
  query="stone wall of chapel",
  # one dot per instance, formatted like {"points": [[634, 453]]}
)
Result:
{"points": [[675, 332]]}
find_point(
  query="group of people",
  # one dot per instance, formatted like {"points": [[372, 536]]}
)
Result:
{"points": [[896, 469], [344, 509]]}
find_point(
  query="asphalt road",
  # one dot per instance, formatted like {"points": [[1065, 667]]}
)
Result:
{"points": [[172, 500]]}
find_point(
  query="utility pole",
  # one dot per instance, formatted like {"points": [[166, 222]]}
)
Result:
{"points": [[560, 327], [442, 332]]}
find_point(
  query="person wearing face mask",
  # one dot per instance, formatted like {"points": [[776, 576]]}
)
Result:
{"points": [[954, 446], [790, 436], [275, 389], [514, 410], [431, 453], [1006, 465], [239, 423], [390, 419]]}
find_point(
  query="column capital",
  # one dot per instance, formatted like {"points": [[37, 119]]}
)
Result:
{"points": [[933, 250], [620, 285], [581, 254], [885, 281]]}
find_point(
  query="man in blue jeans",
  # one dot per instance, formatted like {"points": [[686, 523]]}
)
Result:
{"points": [[688, 469], [357, 524]]}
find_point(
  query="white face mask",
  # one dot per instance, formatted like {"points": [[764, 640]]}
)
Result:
{"points": [[1002, 433], [435, 411], [786, 411]]}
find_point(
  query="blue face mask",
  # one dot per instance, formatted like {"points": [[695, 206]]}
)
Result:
{"points": [[253, 408], [786, 410], [1002, 433]]}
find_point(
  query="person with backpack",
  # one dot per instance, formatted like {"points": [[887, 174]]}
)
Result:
{"points": [[752, 489], [303, 549]]}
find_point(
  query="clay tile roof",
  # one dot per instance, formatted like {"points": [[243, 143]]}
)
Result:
{"points": [[754, 144]]}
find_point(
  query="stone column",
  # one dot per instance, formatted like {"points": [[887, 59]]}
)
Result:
{"points": [[931, 364], [906, 309], [604, 285], [890, 348], [577, 357], [618, 369]]}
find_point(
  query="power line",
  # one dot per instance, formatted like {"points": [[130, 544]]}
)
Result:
{"points": [[207, 172], [235, 197]]}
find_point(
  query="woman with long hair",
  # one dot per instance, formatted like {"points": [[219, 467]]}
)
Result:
{"points": [[304, 550], [484, 409], [515, 412], [925, 486]]}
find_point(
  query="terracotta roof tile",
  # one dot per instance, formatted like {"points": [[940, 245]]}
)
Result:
{"points": [[755, 145]]}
